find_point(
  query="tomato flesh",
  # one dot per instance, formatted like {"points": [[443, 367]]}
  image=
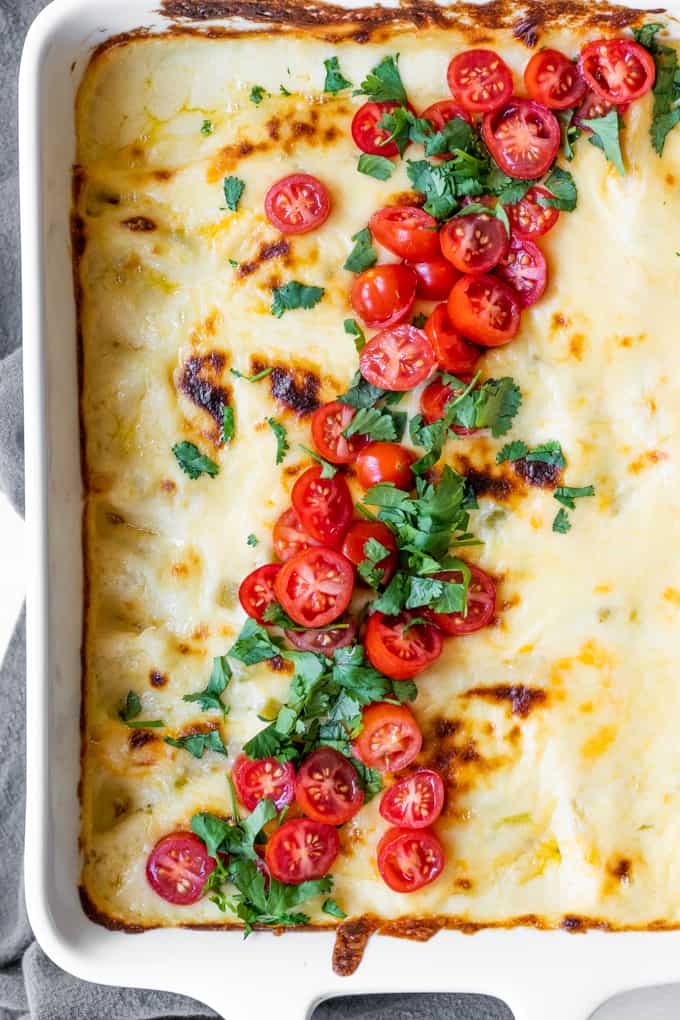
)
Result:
{"points": [[528, 218], [452, 351], [397, 358], [257, 590], [406, 231], [327, 787], [365, 131], [409, 859], [385, 462], [356, 538], [435, 278], [328, 423], [479, 80], [524, 268], [257, 779], [315, 586], [178, 867], [434, 400], [323, 505], [398, 654], [523, 137], [414, 802], [289, 536], [485, 309], [301, 850], [297, 204], [554, 80], [323, 641], [480, 608], [475, 242], [390, 737], [384, 295], [618, 70]]}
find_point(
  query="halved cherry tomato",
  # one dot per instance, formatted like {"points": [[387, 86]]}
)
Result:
{"points": [[390, 737], [178, 867], [301, 850], [385, 462], [384, 295], [409, 859], [592, 107], [398, 653], [289, 536], [397, 358], [297, 204], [523, 137], [263, 779], [327, 787], [481, 604], [554, 80], [619, 70], [356, 538], [328, 423], [441, 112], [365, 131], [415, 801], [480, 80], [257, 590], [434, 399], [474, 242], [435, 278], [485, 309], [323, 505], [315, 586], [453, 352], [406, 230], [524, 268], [528, 218], [323, 641]]}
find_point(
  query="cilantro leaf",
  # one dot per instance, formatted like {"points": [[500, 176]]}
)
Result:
{"points": [[282, 445], [512, 451], [493, 405], [563, 188], [666, 84], [645, 35], [335, 80], [606, 137], [379, 167], [209, 698], [328, 470], [228, 424], [265, 744], [363, 255], [508, 190], [374, 552], [383, 83], [561, 523], [548, 453], [566, 494], [377, 423], [353, 329], [233, 189], [252, 540], [194, 463], [207, 127], [132, 707], [253, 644], [397, 123], [569, 132], [329, 906], [270, 903], [198, 743], [361, 393], [284, 91], [456, 134], [437, 183], [257, 94], [253, 378], [294, 295]]}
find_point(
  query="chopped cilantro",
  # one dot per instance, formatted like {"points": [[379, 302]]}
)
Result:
{"points": [[133, 708], [512, 451], [419, 320], [253, 644], [207, 127], [374, 552], [606, 137], [233, 263], [561, 523], [666, 84], [209, 698], [198, 743], [353, 329], [563, 188], [507, 189], [549, 452], [233, 189], [377, 423], [569, 131], [361, 393], [252, 540], [329, 906], [228, 424], [252, 378], [294, 295], [194, 463], [437, 183], [282, 445], [335, 80], [383, 83], [566, 494], [328, 470], [379, 167], [257, 94], [363, 255], [284, 91]]}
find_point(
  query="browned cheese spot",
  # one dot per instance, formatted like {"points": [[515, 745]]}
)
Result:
{"points": [[522, 700], [294, 386], [158, 679], [277, 664], [140, 738], [537, 472], [139, 224], [273, 250], [646, 460], [200, 381]]}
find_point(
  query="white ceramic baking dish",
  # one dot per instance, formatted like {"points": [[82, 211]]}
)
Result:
{"points": [[538, 974]]}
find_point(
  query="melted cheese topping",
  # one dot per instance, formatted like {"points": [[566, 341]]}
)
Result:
{"points": [[561, 802]]}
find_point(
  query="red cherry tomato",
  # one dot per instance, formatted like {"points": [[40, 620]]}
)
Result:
{"points": [[385, 462], [528, 218], [409, 859], [323, 641], [263, 779], [384, 295], [301, 850], [390, 737], [415, 801], [523, 137], [323, 505], [435, 278], [397, 653], [257, 590], [289, 536], [592, 107], [328, 423], [433, 403], [524, 268], [481, 604], [479, 80], [443, 111], [397, 358], [297, 204], [475, 242], [327, 787], [553, 79], [315, 586], [178, 867], [359, 533], [452, 351], [485, 309], [619, 70], [365, 131], [406, 230]]}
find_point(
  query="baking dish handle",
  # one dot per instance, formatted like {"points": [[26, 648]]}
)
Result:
{"points": [[557, 1003]]}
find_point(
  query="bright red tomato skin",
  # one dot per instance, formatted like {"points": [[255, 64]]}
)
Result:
{"points": [[357, 536], [390, 737], [328, 423], [385, 462], [435, 278], [474, 243], [289, 536], [263, 779], [434, 399], [528, 218], [301, 850], [257, 590], [315, 586], [619, 70], [401, 656], [323, 505], [327, 787], [481, 604], [453, 352], [485, 309], [552, 79], [479, 80], [397, 359], [384, 295], [297, 204], [178, 867], [397, 851], [406, 231], [523, 137], [414, 802], [440, 113], [594, 106], [525, 269], [323, 641], [367, 136]]}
